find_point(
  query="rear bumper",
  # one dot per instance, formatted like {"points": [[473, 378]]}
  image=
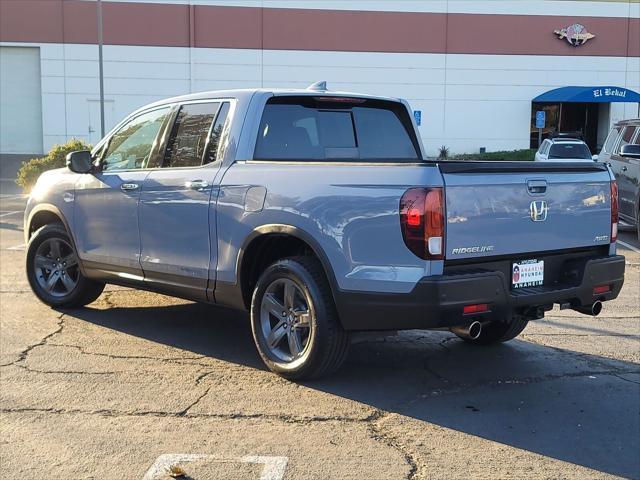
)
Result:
{"points": [[438, 301]]}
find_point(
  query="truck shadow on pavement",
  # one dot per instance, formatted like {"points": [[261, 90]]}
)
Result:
{"points": [[574, 407]]}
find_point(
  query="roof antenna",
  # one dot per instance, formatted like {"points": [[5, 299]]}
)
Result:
{"points": [[318, 86]]}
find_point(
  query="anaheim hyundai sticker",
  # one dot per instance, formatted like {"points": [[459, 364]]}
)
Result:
{"points": [[527, 273]]}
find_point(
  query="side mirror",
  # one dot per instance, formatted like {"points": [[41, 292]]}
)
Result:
{"points": [[630, 151], [80, 161], [594, 158]]}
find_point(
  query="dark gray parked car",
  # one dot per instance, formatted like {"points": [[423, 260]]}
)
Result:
{"points": [[622, 152]]}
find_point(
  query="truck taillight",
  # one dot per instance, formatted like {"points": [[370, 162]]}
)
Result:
{"points": [[422, 222], [614, 211]]}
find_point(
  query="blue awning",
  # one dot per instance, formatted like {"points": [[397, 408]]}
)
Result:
{"points": [[589, 95]]}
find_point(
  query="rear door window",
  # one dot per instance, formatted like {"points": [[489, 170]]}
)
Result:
{"points": [[335, 128], [190, 135]]}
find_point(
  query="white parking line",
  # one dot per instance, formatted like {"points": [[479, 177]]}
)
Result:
{"points": [[13, 196], [274, 467], [6, 214], [22, 246], [630, 247]]}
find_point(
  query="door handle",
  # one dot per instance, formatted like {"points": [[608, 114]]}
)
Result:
{"points": [[129, 186], [537, 186], [197, 184]]}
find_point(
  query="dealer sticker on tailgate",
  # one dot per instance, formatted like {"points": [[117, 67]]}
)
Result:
{"points": [[527, 273]]}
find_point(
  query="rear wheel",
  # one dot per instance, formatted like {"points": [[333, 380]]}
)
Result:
{"points": [[294, 320], [496, 332], [53, 270]]}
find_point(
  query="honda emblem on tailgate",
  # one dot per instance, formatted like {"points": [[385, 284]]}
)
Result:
{"points": [[538, 211]]}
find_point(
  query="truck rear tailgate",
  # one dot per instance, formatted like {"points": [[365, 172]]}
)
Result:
{"points": [[514, 208]]}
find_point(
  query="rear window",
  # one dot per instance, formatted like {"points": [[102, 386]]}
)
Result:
{"points": [[578, 151], [325, 128]]}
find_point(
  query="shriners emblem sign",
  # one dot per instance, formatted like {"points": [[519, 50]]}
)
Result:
{"points": [[575, 34]]}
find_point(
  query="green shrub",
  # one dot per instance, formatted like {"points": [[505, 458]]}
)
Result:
{"points": [[31, 169], [513, 155]]}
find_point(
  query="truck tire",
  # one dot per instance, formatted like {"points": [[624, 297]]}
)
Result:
{"points": [[496, 332], [294, 320], [53, 270]]}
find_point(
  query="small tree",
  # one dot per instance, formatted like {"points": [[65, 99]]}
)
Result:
{"points": [[443, 152], [32, 169]]}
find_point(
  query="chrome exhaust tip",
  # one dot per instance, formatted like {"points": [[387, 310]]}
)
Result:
{"points": [[594, 310], [471, 331], [475, 329]]}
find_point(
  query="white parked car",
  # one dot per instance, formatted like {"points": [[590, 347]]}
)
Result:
{"points": [[564, 150]]}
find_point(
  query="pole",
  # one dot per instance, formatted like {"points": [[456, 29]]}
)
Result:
{"points": [[100, 67], [539, 137]]}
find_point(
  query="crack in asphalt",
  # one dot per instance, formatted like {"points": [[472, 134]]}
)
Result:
{"points": [[195, 402], [22, 356], [106, 412], [377, 433], [178, 360], [63, 372], [626, 379]]}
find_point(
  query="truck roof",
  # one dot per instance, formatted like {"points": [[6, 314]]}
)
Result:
{"points": [[247, 93]]}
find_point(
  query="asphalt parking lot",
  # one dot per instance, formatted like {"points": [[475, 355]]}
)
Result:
{"points": [[137, 382]]}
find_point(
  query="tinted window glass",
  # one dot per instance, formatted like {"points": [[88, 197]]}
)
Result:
{"points": [[131, 146], [627, 135], [311, 128], [190, 133], [611, 140], [570, 150], [216, 134], [382, 135]]}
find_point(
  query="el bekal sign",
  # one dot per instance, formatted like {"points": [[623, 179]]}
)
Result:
{"points": [[603, 93]]}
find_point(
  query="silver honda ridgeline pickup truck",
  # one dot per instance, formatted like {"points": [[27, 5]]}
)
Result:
{"points": [[318, 212]]}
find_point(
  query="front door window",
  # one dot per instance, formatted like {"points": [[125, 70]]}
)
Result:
{"points": [[131, 147]]}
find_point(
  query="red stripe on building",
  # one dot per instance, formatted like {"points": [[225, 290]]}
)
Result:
{"points": [[154, 24]]}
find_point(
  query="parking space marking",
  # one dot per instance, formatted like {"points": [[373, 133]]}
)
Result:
{"points": [[22, 246], [12, 196], [274, 467], [6, 214], [630, 247]]}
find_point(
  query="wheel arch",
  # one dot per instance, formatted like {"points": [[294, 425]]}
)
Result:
{"points": [[296, 241], [45, 214]]}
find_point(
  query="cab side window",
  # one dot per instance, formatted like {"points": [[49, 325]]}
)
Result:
{"points": [[611, 140], [191, 135], [627, 136], [131, 147]]}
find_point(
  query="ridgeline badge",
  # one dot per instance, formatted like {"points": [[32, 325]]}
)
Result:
{"points": [[575, 34]]}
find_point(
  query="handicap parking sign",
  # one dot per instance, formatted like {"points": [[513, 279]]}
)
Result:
{"points": [[418, 116], [540, 118]]}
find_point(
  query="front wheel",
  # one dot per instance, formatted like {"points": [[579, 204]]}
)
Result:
{"points": [[496, 332], [294, 320], [53, 270]]}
